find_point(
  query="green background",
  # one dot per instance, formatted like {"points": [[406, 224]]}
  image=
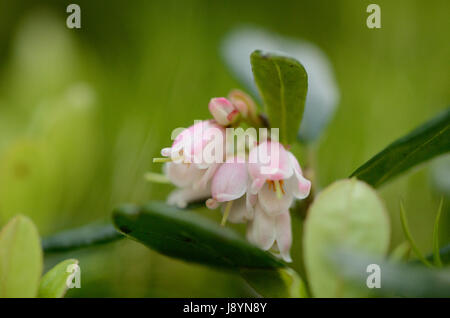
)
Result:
{"points": [[83, 111]]}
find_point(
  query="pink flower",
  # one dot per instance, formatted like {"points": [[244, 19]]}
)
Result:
{"points": [[193, 157], [229, 184], [223, 111], [276, 178], [202, 143]]}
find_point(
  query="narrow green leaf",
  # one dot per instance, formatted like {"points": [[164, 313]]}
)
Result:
{"points": [[425, 142], [20, 259], [396, 279], [188, 236], [275, 283], [348, 213], [85, 236], [54, 282], [437, 256], [409, 237], [282, 82]]}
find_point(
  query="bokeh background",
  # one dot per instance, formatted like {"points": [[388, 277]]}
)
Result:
{"points": [[83, 111]]}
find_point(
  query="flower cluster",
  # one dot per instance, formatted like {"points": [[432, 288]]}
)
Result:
{"points": [[256, 186]]}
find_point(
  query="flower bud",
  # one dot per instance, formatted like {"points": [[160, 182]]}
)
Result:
{"points": [[223, 111], [244, 104]]}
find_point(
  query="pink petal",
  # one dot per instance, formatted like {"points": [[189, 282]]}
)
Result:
{"points": [[194, 139], [221, 109], [261, 230], [300, 185], [284, 235], [229, 182], [270, 161]]}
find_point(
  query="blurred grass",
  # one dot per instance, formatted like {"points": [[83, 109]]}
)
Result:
{"points": [[82, 112]]}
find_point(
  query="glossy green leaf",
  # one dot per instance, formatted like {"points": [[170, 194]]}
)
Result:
{"points": [[397, 279], [348, 213], [85, 236], [323, 93], [188, 236], [282, 82], [54, 282], [20, 259], [425, 142], [275, 283]]}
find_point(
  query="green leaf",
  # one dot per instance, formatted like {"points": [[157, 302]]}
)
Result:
{"points": [[425, 142], [323, 93], [409, 237], [20, 259], [282, 82], [89, 235], [436, 254], [54, 282], [85, 236], [275, 283], [397, 279], [188, 236], [348, 213]]}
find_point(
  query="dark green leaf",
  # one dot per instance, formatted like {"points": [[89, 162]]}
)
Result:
{"points": [[188, 236], [20, 259], [54, 282], [282, 82], [275, 283], [323, 94], [88, 235], [427, 141], [399, 280]]}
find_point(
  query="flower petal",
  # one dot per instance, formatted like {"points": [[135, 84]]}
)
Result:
{"points": [[181, 197], [181, 174], [229, 182], [284, 235], [261, 230], [270, 161], [238, 212], [299, 185], [270, 203]]}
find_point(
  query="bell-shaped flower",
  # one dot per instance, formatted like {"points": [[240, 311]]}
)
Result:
{"points": [[276, 177], [229, 185], [202, 144], [192, 160], [223, 111], [271, 231]]}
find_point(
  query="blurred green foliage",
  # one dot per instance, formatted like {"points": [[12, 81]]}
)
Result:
{"points": [[82, 112]]}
